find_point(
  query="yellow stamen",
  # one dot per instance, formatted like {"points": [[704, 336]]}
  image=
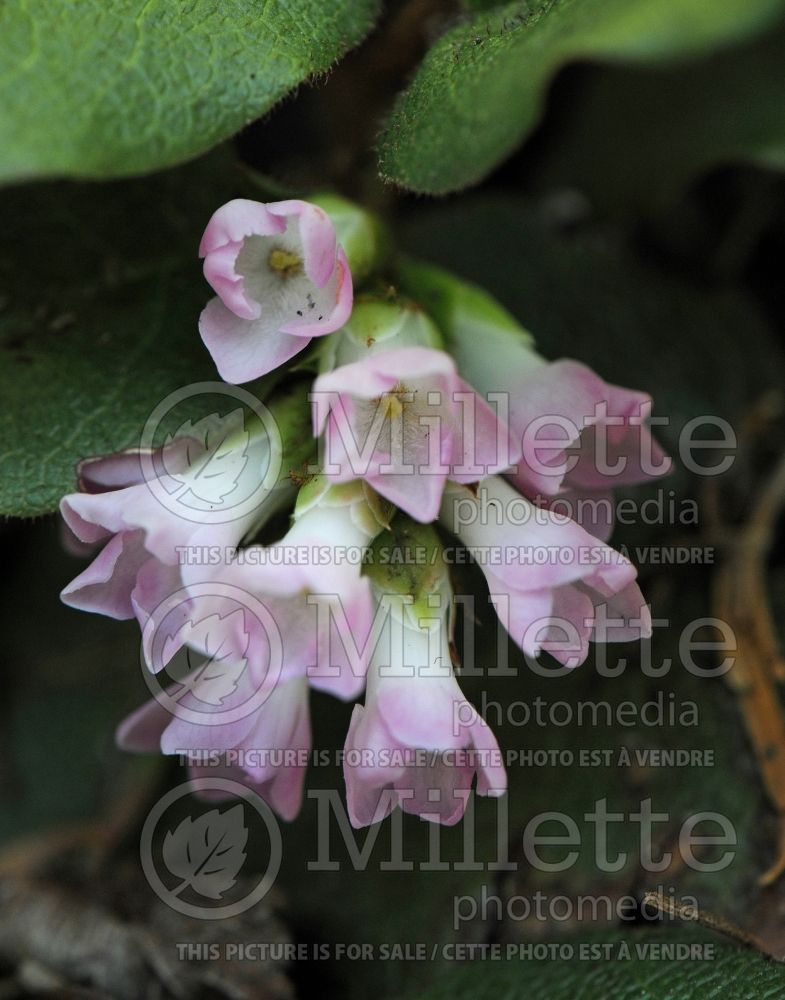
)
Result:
{"points": [[396, 400], [285, 263]]}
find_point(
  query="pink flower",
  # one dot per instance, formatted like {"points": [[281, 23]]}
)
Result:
{"points": [[132, 513], [555, 586], [303, 594], [417, 743], [266, 748], [580, 436], [404, 420], [280, 279], [116, 512]]}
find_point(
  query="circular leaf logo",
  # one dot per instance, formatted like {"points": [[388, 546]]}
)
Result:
{"points": [[196, 867]]}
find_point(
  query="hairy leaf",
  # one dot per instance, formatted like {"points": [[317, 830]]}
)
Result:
{"points": [[620, 967], [96, 89], [481, 88], [97, 329]]}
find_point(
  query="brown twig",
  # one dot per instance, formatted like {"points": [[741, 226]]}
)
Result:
{"points": [[741, 600], [674, 908]]}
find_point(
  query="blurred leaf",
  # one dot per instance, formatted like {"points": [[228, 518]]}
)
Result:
{"points": [[633, 139], [481, 4], [100, 292], [92, 89], [480, 89], [620, 974], [584, 293], [69, 679]]}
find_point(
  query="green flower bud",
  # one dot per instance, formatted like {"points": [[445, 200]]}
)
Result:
{"points": [[292, 414], [408, 560], [360, 233], [485, 340], [377, 326], [369, 512]]}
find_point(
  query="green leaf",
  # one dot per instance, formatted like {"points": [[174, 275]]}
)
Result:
{"points": [[619, 969], [633, 138], [101, 290], [95, 89], [480, 90], [585, 294]]}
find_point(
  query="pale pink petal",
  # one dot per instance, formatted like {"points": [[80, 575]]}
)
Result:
{"points": [[235, 221], [521, 612], [573, 396], [244, 350], [629, 444], [627, 607], [317, 234], [351, 665], [141, 731], [420, 711], [110, 472], [419, 495], [332, 309], [378, 373], [438, 793], [365, 803], [103, 473], [219, 270], [491, 773], [481, 440], [105, 586], [593, 510], [564, 391], [567, 636]]}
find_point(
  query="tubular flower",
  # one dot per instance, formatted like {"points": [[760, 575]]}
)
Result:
{"points": [[280, 280], [555, 586], [259, 739], [578, 437], [405, 421], [144, 511], [316, 608], [416, 742]]}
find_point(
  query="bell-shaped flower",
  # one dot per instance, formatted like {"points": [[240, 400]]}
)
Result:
{"points": [[555, 586], [280, 278], [146, 510], [265, 747], [578, 436], [403, 419], [416, 743], [300, 606]]}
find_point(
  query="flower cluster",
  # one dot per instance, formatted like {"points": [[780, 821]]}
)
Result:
{"points": [[419, 418]]}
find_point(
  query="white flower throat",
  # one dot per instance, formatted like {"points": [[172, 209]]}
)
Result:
{"points": [[273, 272], [284, 263], [403, 423]]}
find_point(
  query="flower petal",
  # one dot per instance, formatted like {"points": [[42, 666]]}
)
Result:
{"points": [[244, 350], [105, 586]]}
